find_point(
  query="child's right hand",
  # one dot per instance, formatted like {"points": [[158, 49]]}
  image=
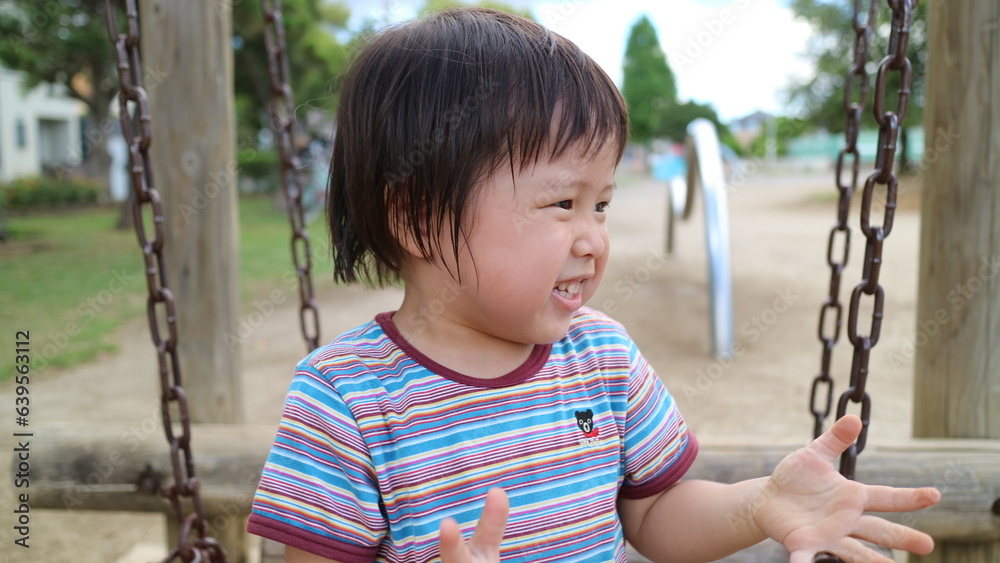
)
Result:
{"points": [[484, 545]]}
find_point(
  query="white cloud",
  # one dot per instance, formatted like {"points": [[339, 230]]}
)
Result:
{"points": [[736, 55]]}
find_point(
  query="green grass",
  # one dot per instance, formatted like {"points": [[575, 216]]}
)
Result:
{"points": [[71, 279]]}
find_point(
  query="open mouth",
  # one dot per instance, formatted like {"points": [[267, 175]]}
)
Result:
{"points": [[567, 289]]}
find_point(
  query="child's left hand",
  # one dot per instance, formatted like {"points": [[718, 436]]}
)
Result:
{"points": [[484, 545], [810, 508]]}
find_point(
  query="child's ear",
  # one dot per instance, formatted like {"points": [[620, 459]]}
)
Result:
{"points": [[401, 223]]}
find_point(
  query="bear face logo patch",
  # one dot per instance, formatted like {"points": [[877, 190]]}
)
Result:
{"points": [[585, 421]]}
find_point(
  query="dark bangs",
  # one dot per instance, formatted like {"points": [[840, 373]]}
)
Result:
{"points": [[430, 109]]}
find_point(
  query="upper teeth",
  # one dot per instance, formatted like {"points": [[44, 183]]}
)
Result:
{"points": [[571, 288]]}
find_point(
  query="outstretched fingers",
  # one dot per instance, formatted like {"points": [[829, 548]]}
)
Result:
{"points": [[484, 545], [838, 438], [492, 523], [894, 536], [890, 499], [450, 541]]}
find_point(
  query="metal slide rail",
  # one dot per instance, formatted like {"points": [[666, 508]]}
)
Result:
{"points": [[704, 167]]}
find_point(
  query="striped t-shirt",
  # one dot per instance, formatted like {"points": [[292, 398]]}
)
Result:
{"points": [[378, 443]]}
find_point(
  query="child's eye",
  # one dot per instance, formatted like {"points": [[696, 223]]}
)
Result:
{"points": [[564, 204], [602, 207]]}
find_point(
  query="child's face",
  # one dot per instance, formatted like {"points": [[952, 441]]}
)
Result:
{"points": [[537, 248]]}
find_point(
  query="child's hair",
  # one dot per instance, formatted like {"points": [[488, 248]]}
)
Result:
{"points": [[431, 108]]}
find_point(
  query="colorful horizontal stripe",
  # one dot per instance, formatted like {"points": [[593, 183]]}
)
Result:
{"points": [[377, 445]]}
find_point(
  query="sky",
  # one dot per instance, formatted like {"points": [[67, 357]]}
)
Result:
{"points": [[734, 54]]}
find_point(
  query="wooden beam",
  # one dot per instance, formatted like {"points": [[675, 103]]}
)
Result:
{"points": [[967, 472], [104, 468]]}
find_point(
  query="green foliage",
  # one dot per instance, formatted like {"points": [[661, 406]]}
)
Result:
{"points": [[52, 42], [73, 281], [831, 49], [258, 165], [650, 88], [680, 115], [648, 85], [43, 191], [53, 264], [62, 42], [315, 58], [785, 129]]}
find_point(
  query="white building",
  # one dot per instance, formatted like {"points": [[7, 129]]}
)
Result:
{"points": [[39, 128]]}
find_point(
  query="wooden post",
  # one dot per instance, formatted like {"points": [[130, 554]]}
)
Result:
{"points": [[186, 43], [186, 47], [957, 373]]}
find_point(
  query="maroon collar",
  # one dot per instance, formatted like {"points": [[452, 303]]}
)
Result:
{"points": [[539, 355]]}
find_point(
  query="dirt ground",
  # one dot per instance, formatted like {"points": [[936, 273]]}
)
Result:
{"points": [[779, 228]]}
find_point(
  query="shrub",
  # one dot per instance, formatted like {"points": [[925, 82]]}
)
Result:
{"points": [[43, 191], [259, 168]]}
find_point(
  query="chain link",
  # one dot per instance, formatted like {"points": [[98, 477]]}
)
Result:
{"points": [[889, 123], [855, 98], [160, 306], [283, 121]]}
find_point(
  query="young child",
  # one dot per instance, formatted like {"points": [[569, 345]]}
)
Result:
{"points": [[494, 417]]}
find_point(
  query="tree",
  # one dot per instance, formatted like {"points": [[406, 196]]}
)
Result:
{"points": [[821, 96], [648, 85], [315, 58], [65, 43], [650, 88], [785, 129]]}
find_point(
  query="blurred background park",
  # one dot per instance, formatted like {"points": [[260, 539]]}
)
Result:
{"points": [[769, 74]]}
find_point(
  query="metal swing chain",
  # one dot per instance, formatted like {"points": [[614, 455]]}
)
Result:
{"points": [[856, 75], [133, 108], [283, 120], [889, 123], [875, 235]]}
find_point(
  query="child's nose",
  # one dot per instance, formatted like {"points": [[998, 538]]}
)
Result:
{"points": [[590, 240]]}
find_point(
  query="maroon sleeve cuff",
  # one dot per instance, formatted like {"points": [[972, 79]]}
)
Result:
{"points": [[668, 478], [308, 541]]}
